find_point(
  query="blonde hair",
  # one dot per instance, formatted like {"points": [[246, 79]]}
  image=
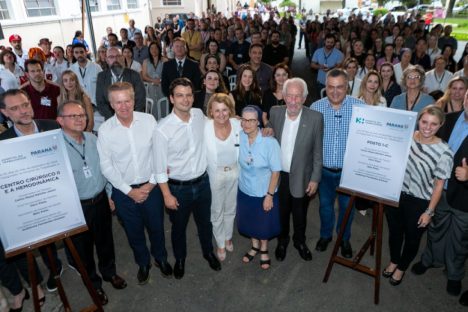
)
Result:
{"points": [[445, 99], [433, 110], [221, 98], [362, 90], [65, 95]]}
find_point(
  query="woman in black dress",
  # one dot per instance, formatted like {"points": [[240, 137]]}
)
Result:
{"points": [[274, 95]]}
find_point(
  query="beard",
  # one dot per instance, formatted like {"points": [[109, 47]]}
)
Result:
{"points": [[117, 69]]}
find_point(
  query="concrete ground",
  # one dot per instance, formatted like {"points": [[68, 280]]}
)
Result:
{"points": [[292, 285]]}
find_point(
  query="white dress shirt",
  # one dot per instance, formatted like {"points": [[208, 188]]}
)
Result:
{"points": [[435, 82], [354, 87], [87, 77], [288, 140], [179, 150], [126, 154]]}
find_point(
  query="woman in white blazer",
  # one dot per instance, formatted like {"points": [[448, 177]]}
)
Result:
{"points": [[222, 147]]}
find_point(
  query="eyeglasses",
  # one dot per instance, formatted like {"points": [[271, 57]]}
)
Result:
{"points": [[413, 77], [249, 121], [75, 116]]}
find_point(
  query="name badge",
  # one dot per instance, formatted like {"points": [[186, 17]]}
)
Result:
{"points": [[239, 55], [46, 102], [87, 172]]}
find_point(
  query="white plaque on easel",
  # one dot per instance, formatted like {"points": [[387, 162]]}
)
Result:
{"points": [[39, 199], [377, 151]]}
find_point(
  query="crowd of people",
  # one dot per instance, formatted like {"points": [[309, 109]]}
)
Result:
{"points": [[240, 142]]}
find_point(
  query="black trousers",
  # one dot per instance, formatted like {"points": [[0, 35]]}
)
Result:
{"points": [[99, 221], [404, 235], [9, 269], [290, 205]]}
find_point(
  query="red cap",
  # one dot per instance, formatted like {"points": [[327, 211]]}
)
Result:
{"points": [[15, 38]]}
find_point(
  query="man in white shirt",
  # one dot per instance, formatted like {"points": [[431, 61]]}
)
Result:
{"points": [[87, 73], [125, 150], [180, 163], [21, 54], [300, 134]]}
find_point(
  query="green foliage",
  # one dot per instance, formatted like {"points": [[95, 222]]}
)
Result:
{"points": [[287, 3], [381, 11]]}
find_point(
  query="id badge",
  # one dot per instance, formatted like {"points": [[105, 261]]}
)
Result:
{"points": [[87, 172], [240, 55], [46, 102]]}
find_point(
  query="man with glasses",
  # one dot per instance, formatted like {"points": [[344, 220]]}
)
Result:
{"points": [[336, 108], [300, 133], [180, 166], [90, 183], [117, 73], [140, 51]]}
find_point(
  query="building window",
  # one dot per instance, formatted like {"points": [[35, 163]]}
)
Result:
{"points": [[132, 4], [4, 10], [113, 5], [39, 7], [93, 5], [172, 2]]}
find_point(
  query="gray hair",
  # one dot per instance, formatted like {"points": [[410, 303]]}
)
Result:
{"points": [[250, 109], [410, 69], [296, 81], [61, 107]]}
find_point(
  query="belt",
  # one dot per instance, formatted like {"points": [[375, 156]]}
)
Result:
{"points": [[93, 200], [334, 170], [188, 182], [138, 185]]}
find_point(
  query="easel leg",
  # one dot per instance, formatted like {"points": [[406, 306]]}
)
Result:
{"points": [[378, 258], [33, 280], [61, 291], [339, 239], [84, 275], [375, 212]]}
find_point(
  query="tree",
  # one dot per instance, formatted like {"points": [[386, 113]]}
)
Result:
{"points": [[450, 5], [287, 3]]}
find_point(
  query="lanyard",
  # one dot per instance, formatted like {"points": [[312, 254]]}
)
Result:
{"points": [[439, 81], [414, 103], [325, 56], [352, 87], [82, 155], [82, 74]]}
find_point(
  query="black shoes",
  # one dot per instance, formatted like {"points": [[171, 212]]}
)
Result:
{"points": [[214, 263], [51, 284], [26, 297], [304, 251], [346, 250], [453, 287], [395, 282], [464, 298], [419, 268], [164, 267], [280, 251], [322, 244], [179, 269], [116, 281], [143, 274], [102, 296]]}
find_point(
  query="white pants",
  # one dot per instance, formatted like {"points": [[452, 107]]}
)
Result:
{"points": [[223, 204]]}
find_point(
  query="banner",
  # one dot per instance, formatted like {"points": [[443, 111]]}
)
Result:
{"points": [[377, 151], [38, 192]]}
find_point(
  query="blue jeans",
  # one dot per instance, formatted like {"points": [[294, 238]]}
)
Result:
{"points": [[137, 217], [194, 198], [327, 195]]}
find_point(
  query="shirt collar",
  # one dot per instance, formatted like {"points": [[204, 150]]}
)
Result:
{"points": [[295, 120], [20, 134]]}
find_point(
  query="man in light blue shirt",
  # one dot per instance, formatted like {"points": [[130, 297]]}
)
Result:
{"points": [[337, 110], [325, 59]]}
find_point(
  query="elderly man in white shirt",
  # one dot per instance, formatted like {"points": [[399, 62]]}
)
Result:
{"points": [[437, 78], [180, 164], [125, 150]]}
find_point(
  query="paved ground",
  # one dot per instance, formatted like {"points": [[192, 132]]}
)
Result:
{"points": [[293, 285]]}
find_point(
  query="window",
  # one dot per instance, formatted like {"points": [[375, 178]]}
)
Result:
{"points": [[113, 5], [39, 7], [93, 5], [132, 4], [4, 10], [172, 2]]}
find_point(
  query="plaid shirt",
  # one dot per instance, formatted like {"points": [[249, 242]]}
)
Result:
{"points": [[336, 127]]}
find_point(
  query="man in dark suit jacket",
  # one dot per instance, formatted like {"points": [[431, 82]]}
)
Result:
{"points": [[116, 73], [180, 66], [446, 237], [300, 134], [17, 106]]}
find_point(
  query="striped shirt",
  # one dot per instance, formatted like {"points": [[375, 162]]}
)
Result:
{"points": [[426, 163], [336, 128]]}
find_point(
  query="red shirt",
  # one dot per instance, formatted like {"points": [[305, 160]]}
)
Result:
{"points": [[44, 103]]}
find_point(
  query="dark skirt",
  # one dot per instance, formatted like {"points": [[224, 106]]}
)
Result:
{"points": [[253, 221]]}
